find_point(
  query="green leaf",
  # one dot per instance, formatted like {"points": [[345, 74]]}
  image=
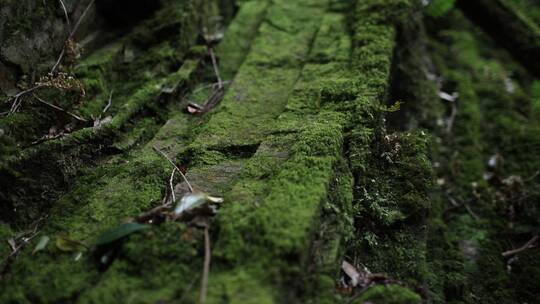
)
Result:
{"points": [[43, 241], [64, 243], [120, 232], [439, 8]]}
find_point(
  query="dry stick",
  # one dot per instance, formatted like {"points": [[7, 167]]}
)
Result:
{"points": [[25, 240], [474, 215], [143, 217], [217, 94], [527, 245], [16, 103], [216, 69], [66, 14], [188, 288], [71, 35], [452, 118], [211, 85], [109, 103], [172, 163], [59, 108], [358, 294], [206, 269], [171, 185]]}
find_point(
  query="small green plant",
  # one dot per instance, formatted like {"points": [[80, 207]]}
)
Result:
{"points": [[439, 8]]}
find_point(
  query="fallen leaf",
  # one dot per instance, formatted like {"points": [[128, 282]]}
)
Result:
{"points": [[12, 244], [99, 122], [352, 272], [193, 200], [64, 243], [448, 97], [43, 242], [194, 108], [78, 256], [120, 232]]}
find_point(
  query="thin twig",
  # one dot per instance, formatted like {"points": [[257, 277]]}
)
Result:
{"points": [[165, 204], [188, 288], [216, 68], [358, 294], [532, 177], [206, 268], [109, 103], [171, 185], [46, 138], [59, 108], [66, 15], [172, 163], [16, 248], [210, 103], [71, 35], [213, 85], [528, 245], [144, 217], [16, 98], [474, 215], [452, 118]]}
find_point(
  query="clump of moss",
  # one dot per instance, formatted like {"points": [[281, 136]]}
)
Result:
{"points": [[391, 294]]}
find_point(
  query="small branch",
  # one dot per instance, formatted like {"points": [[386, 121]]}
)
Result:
{"points": [[171, 185], [146, 216], [532, 177], [206, 268], [210, 103], [172, 163], [66, 15], [46, 138], [452, 118], [16, 248], [16, 98], [216, 68], [528, 245], [108, 103], [59, 109], [71, 35], [212, 85], [166, 204], [357, 294], [474, 215]]}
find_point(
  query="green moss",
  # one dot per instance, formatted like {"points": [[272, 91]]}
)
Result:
{"points": [[125, 186], [492, 92], [239, 37], [260, 89], [391, 294], [240, 287], [155, 266], [5, 234]]}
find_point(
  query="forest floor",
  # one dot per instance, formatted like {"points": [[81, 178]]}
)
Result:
{"points": [[314, 151]]}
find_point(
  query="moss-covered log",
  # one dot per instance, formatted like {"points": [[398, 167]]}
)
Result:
{"points": [[321, 172]]}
